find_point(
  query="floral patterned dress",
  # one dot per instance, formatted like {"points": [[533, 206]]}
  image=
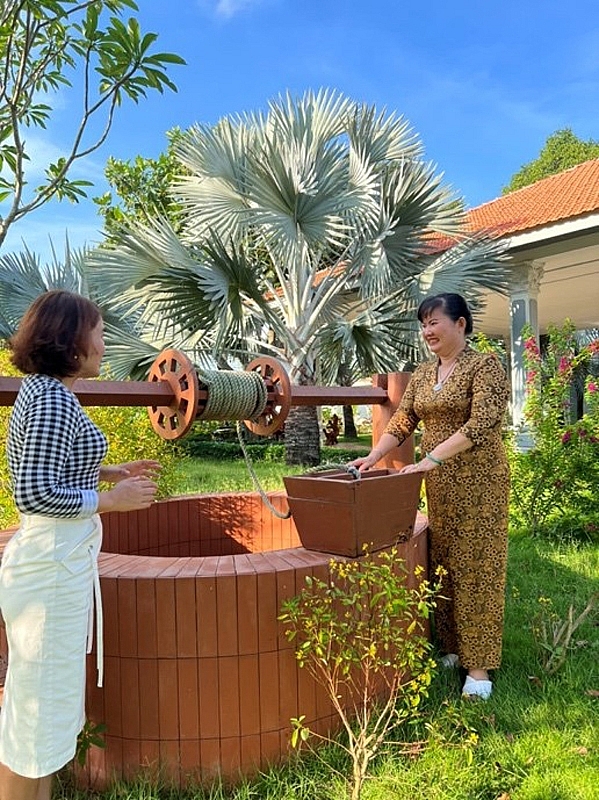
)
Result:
{"points": [[467, 500]]}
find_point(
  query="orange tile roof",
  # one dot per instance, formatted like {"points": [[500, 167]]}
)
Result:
{"points": [[569, 194]]}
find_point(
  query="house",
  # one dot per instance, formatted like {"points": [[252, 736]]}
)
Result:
{"points": [[551, 229]]}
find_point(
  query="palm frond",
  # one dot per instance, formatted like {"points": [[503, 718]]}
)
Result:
{"points": [[478, 263], [369, 342], [214, 195], [23, 277], [143, 251], [315, 118], [129, 355], [384, 137], [413, 203]]}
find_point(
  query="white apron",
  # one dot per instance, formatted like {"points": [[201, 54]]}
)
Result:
{"points": [[48, 582]]}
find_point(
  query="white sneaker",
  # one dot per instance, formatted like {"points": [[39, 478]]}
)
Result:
{"points": [[474, 688], [450, 661]]}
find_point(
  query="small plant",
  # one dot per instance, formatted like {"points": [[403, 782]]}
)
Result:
{"points": [[451, 728], [362, 635], [91, 735], [553, 635]]}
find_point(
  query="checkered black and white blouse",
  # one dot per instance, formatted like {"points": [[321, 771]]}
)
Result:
{"points": [[54, 451]]}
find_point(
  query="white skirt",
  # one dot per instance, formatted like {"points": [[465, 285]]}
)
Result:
{"points": [[48, 580]]}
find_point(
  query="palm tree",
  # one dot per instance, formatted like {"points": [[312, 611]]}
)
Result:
{"points": [[23, 277], [306, 234]]}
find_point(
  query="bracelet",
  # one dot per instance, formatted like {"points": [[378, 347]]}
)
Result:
{"points": [[434, 459]]}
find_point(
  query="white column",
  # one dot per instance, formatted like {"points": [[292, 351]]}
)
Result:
{"points": [[524, 293]]}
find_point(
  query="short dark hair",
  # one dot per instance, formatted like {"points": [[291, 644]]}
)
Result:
{"points": [[53, 332], [451, 304]]}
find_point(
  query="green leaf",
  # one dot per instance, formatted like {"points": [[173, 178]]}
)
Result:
{"points": [[91, 21], [166, 58]]}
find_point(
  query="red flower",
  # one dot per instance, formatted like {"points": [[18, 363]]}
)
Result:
{"points": [[566, 437], [592, 387], [564, 365]]}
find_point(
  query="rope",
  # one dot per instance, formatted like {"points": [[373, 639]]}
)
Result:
{"points": [[255, 480], [233, 395], [353, 471]]}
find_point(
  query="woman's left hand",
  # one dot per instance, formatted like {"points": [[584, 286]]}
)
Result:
{"points": [[425, 465], [144, 468]]}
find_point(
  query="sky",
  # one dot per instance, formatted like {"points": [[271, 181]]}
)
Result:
{"points": [[483, 84]]}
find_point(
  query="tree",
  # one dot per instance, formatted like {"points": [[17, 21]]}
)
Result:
{"points": [[306, 233], [562, 150], [143, 189], [43, 44]]}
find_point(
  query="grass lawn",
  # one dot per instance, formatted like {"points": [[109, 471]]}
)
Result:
{"points": [[211, 475], [537, 738], [206, 475]]}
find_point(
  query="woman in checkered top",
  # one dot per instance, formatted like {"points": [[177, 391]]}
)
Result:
{"points": [[49, 584]]}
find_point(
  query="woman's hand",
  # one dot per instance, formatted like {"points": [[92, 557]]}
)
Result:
{"points": [[131, 469], [130, 494], [367, 462], [425, 465]]}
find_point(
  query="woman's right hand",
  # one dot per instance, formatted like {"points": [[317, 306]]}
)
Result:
{"points": [[367, 462], [129, 494]]}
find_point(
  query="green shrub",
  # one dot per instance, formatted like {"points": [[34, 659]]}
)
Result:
{"points": [[8, 513], [554, 484], [362, 635], [267, 451], [131, 437], [226, 451]]}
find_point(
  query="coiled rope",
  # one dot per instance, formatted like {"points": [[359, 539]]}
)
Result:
{"points": [[233, 395]]}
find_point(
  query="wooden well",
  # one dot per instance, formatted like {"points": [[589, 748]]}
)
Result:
{"points": [[200, 680]]}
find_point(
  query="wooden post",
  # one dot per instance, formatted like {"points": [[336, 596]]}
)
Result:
{"points": [[395, 385]]}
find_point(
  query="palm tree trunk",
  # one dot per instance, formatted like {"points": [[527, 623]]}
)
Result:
{"points": [[344, 378], [349, 425], [302, 436]]}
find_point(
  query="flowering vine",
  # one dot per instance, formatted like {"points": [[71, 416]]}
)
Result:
{"points": [[558, 478]]}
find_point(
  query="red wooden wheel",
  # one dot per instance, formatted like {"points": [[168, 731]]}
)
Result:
{"points": [[175, 369], [279, 395]]}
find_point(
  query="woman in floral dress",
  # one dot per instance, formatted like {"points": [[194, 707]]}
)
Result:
{"points": [[460, 397]]}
